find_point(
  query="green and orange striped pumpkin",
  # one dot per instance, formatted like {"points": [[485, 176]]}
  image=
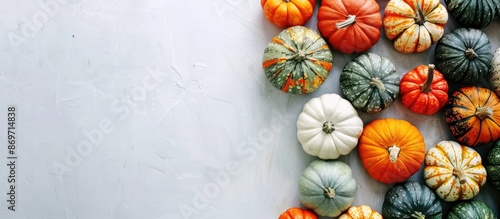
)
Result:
{"points": [[297, 60], [473, 115]]}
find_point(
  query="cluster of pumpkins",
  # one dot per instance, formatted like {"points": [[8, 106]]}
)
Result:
{"points": [[298, 60]]}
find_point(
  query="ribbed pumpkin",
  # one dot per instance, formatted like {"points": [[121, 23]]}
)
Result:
{"points": [[454, 171], [493, 165], [473, 115], [424, 90], [413, 25], [411, 200], [370, 82], [287, 13], [495, 72], [327, 187], [475, 14], [360, 212], [351, 26], [328, 126], [297, 213], [470, 210], [297, 60], [463, 55], [391, 150]]}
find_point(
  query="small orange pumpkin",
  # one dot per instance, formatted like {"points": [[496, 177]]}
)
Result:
{"points": [[297, 213], [351, 26], [473, 115], [423, 90], [391, 150], [360, 212], [287, 13]]}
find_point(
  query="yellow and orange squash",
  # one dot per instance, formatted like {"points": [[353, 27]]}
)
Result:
{"points": [[414, 25]]}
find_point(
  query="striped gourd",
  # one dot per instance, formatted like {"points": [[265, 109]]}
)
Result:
{"points": [[475, 14], [297, 60], [370, 82], [464, 55]]}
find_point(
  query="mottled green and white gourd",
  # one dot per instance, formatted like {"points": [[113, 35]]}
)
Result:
{"points": [[297, 60], [495, 72], [411, 199], [493, 165], [463, 55], [475, 14], [370, 82], [470, 210]]}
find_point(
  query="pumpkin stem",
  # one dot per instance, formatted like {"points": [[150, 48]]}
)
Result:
{"points": [[351, 19], [376, 82], [393, 153], [470, 54], [329, 192], [300, 56], [328, 127], [426, 86], [460, 174], [484, 112], [420, 19], [418, 215]]}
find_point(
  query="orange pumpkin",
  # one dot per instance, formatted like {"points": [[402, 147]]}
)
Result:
{"points": [[351, 26], [473, 115], [391, 150], [297, 213], [414, 25], [424, 90], [287, 13], [360, 212]]}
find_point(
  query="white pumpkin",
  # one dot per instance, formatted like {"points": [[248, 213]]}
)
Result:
{"points": [[454, 171], [495, 72], [329, 126]]}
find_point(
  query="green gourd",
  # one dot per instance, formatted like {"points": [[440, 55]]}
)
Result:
{"points": [[464, 55], [475, 14], [470, 210], [327, 187], [370, 82], [493, 165], [411, 199]]}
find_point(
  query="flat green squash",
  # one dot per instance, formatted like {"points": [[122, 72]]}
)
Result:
{"points": [[473, 13], [327, 187], [411, 199], [493, 165], [464, 56], [370, 82], [471, 210]]}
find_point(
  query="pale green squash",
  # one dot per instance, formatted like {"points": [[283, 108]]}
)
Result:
{"points": [[327, 187]]}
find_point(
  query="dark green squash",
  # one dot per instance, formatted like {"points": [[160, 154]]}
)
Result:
{"points": [[297, 60], [411, 200], [493, 165], [470, 210], [464, 55], [370, 82], [473, 13]]}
